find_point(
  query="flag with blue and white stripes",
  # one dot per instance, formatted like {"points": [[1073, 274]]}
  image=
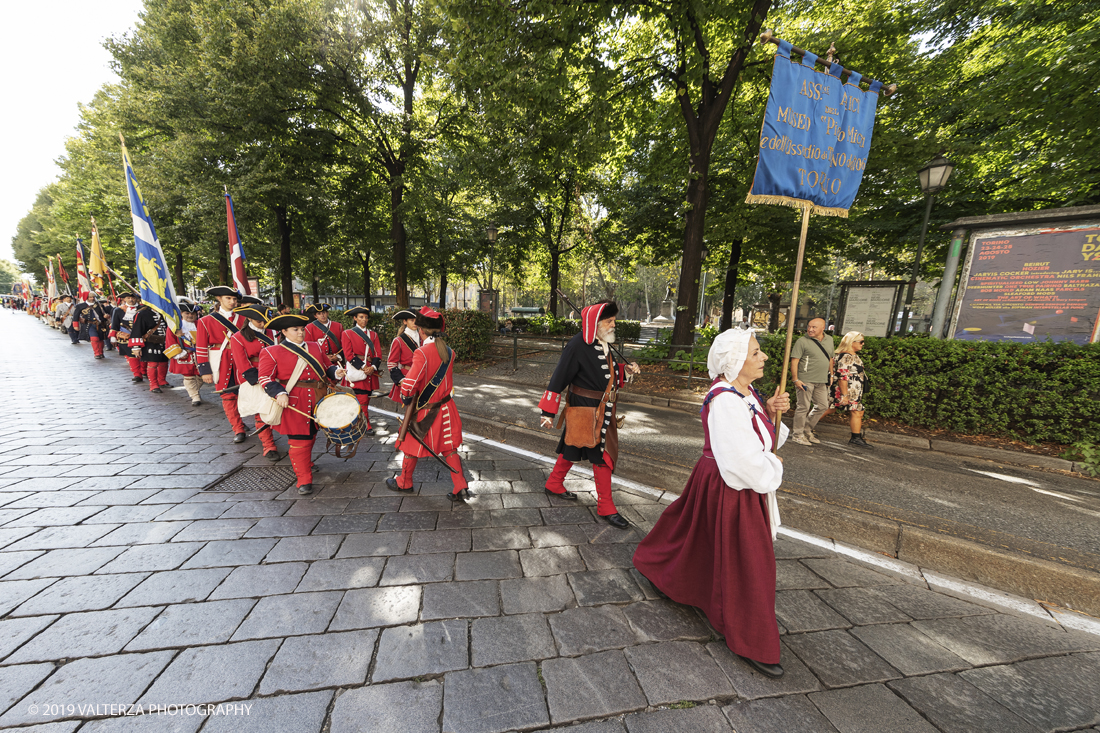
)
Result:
{"points": [[154, 279]]}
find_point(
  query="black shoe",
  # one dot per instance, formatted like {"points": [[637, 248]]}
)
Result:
{"points": [[273, 456], [391, 484], [136, 380], [616, 520], [99, 357], [460, 495], [304, 490], [156, 389], [768, 670], [196, 403], [369, 431], [563, 495], [239, 437], [859, 442]]}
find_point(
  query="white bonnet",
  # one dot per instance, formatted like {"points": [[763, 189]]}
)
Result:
{"points": [[728, 352]]}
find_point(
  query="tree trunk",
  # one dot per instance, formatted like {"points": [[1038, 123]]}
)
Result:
{"points": [[731, 285], [555, 280], [443, 289], [702, 122], [773, 312], [178, 275], [282, 218], [366, 279], [687, 292], [223, 262], [399, 239]]}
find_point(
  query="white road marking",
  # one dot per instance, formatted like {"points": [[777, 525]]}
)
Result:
{"points": [[1003, 477], [1055, 494]]}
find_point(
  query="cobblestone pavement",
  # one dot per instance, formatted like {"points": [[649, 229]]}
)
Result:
{"points": [[123, 582]]}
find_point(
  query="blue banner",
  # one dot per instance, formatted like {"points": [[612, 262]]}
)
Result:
{"points": [[154, 279], [815, 138]]}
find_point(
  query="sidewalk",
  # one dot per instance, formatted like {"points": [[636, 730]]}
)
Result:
{"points": [[127, 577]]}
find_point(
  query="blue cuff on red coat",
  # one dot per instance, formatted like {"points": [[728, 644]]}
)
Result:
{"points": [[205, 368], [274, 389], [331, 372]]}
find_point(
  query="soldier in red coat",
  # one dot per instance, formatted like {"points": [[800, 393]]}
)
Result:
{"points": [[122, 323], [212, 345], [588, 369], [277, 364], [363, 352], [179, 347], [430, 382], [246, 346], [400, 359], [324, 330]]}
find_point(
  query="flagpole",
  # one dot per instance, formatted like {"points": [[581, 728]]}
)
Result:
{"points": [[888, 90], [791, 310]]}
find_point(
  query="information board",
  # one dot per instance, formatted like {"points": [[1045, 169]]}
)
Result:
{"points": [[868, 309], [1032, 287]]}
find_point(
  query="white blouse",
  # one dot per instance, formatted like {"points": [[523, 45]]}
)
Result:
{"points": [[743, 461]]}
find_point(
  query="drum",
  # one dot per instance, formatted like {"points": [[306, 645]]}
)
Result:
{"points": [[340, 416]]}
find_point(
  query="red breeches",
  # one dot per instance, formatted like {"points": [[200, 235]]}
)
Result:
{"points": [[137, 366], [229, 406], [267, 440], [97, 345], [301, 460], [364, 402], [605, 505], [408, 465], [157, 371]]}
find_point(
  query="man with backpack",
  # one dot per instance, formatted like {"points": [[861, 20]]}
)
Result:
{"points": [[811, 365]]}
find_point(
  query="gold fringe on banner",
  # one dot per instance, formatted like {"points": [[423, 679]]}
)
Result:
{"points": [[797, 204]]}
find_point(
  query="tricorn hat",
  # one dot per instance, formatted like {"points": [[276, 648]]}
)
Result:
{"points": [[252, 312], [250, 300], [219, 290], [288, 320], [403, 315], [353, 312], [313, 308], [129, 295], [428, 318]]}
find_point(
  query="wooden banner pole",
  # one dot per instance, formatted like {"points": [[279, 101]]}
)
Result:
{"points": [[791, 310]]}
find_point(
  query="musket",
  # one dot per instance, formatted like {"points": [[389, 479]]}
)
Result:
{"points": [[569, 303], [406, 430]]}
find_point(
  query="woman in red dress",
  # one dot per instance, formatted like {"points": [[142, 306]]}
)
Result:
{"points": [[405, 343], [712, 548], [277, 364], [430, 382], [363, 353], [246, 345]]}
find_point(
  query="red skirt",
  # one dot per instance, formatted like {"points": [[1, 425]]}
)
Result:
{"points": [[712, 548]]}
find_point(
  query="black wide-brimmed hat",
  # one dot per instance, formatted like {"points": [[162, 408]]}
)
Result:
{"points": [[353, 312], [428, 318], [219, 290], [250, 300], [188, 306], [289, 320], [251, 311], [129, 295], [316, 308], [403, 315]]}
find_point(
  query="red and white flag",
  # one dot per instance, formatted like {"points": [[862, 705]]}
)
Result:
{"points": [[236, 249]]}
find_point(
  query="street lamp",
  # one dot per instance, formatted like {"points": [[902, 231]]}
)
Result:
{"points": [[933, 177], [492, 234]]}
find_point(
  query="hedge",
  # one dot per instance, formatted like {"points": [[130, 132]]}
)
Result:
{"points": [[625, 331], [469, 333], [1045, 392]]}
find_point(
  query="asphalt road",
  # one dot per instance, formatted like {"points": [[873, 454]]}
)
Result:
{"points": [[1043, 513]]}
